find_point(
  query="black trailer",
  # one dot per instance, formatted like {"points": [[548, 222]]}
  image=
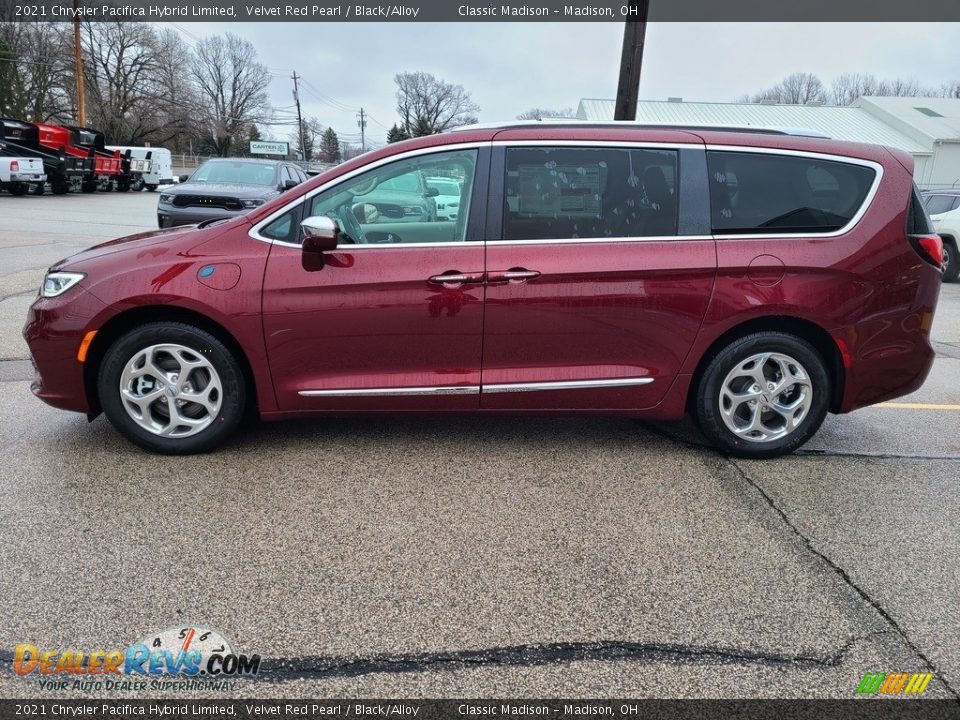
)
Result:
{"points": [[23, 139]]}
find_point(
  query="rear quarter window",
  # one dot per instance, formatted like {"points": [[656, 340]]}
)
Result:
{"points": [[761, 193]]}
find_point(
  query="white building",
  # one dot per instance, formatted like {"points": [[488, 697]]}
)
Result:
{"points": [[927, 128]]}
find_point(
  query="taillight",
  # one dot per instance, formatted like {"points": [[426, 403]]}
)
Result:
{"points": [[930, 248], [14, 166]]}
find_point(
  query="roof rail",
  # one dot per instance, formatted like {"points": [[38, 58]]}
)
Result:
{"points": [[773, 130]]}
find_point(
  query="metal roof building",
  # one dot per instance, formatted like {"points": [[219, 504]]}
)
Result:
{"points": [[927, 128]]}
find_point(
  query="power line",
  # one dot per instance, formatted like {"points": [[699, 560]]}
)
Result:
{"points": [[325, 99]]}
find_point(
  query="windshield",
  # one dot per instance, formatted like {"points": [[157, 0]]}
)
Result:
{"points": [[239, 172], [444, 187], [409, 182]]}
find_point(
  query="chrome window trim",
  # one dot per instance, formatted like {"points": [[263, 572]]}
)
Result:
{"points": [[566, 385], [478, 389], [857, 217], [625, 144], [254, 232], [569, 241]]}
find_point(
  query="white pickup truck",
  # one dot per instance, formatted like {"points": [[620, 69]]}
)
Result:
{"points": [[19, 175]]}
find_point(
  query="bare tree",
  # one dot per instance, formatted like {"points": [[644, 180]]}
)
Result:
{"points": [[847, 88], [38, 82], [950, 90], [232, 85], [177, 103], [121, 72], [428, 102], [541, 113], [795, 89]]}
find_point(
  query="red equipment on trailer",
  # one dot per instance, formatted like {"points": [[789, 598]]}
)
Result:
{"points": [[106, 166]]}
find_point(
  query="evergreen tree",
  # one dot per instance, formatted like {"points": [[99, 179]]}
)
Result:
{"points": [[396, 134], [330, 147], [423, 127]]}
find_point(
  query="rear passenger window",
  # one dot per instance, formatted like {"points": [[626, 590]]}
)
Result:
{"points": [[567, 193], [768, 193], [937, 204]]}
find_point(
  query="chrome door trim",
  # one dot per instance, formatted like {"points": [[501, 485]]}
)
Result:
{"points": [[477, 389], [567, 385], [376, 392]]}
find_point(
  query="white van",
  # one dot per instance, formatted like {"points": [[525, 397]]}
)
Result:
{"points": [[149, 174]]}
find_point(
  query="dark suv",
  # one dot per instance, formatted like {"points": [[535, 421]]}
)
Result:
{"points": [[225, 187], [756, 280]]}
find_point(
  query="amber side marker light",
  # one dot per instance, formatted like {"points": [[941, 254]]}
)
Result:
{"points": [[85, 345]]}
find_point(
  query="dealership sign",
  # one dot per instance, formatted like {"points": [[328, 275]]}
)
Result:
{"points": [[259, 147]]}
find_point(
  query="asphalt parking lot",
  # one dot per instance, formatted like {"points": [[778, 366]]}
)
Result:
{"points": [[490, 557]]}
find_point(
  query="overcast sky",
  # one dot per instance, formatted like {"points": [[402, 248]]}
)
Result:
{"points": [[510, 67]]}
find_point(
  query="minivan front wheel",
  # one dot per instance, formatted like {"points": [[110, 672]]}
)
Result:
{"points": [[763, 395], [172, 388]]}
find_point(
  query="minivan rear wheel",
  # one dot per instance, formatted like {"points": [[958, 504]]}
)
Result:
{"points": [[172, 388], [763, 395]]}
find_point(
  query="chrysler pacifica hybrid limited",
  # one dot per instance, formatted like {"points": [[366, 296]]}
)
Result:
{"points": [[754, 279]]}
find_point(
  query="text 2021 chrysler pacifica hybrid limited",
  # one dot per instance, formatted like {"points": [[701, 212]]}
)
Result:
{"points": [[756, 280]]}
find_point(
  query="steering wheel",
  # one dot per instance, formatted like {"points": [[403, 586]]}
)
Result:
{"points": [[351, 226]]}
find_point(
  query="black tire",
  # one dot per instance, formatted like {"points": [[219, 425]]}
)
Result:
{"points": [[59, 187], [951, 261], [201, 344], [708, 402], [151, 188], [38, 189], [18, 189], [89, 186], [123, 186]]}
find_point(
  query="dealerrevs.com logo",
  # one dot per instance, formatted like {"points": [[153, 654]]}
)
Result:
{"points": [[188, 658]]}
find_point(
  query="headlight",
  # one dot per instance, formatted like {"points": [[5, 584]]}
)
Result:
{"points": [[257, 202], [166, 199], [57, 283]]}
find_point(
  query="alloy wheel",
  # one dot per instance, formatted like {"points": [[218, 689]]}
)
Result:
{"points": [[171, 390], [765, 397]]}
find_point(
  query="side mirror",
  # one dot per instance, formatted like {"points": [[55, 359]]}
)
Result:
{"points": [[184, 178], [287, 184], [431, 192], [320, 234]]}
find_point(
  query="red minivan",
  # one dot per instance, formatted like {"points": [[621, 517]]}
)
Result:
{"points": [[754, 278]]}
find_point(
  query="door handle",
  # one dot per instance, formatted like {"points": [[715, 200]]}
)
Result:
{"points": [[456, 278], [514, 275]]}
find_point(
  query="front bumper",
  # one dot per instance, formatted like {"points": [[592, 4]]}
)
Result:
{"points": [[170, 216], [53, 333]]}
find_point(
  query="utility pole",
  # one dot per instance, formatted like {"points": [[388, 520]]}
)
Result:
{"points": [[631, 59], [78, 62], [362, 123], [296, 97]]}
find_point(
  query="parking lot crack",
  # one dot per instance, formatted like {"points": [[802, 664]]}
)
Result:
{"points": [[530, 655], [844, 576], [537, 655]]}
